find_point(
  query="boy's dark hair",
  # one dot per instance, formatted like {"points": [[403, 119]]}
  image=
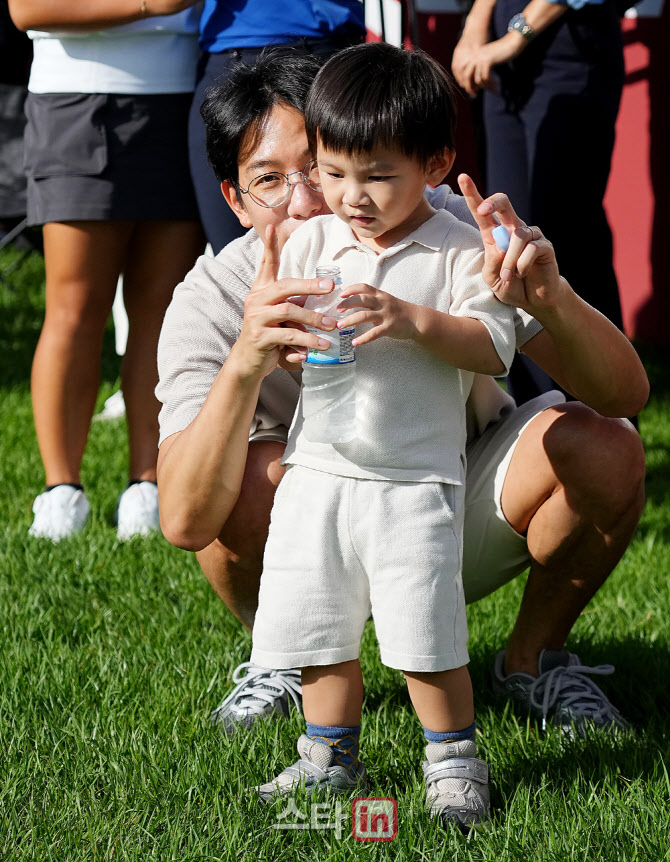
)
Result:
{"points": [[378, 95], [235, 112]]}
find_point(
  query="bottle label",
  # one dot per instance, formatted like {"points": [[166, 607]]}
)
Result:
{"points": [[341, 350]]}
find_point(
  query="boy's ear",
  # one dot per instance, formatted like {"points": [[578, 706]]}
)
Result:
{"points": [[439, 166], [229, 192]]}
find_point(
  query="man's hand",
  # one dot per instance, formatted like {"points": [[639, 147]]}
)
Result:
{"points": [[526, 275], [463, 62], [387, 314], [272, 329]]}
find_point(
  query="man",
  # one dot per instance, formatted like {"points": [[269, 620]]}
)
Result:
{"points": [[557, 487]]}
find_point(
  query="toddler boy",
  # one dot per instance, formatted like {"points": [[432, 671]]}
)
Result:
{"points": [[374, 525]]}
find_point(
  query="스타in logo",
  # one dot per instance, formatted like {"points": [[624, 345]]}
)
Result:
{"points": [[374, 818]]}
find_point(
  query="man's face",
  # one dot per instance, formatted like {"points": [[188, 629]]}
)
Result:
{"points": [[380, 194], [283, 147]]}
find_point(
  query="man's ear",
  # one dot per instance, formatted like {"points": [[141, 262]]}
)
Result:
{"points": [[229, 192], [439, 166]]}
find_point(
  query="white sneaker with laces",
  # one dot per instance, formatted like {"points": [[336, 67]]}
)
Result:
{"points": [[562, 693], [59, 513], [137, 513], [258, 693]]}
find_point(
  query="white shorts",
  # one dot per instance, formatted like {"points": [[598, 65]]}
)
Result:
{"points": [[340, 549], [493, 552]]}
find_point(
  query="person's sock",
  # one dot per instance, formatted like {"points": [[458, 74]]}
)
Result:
{"points": [[69, 485], [343, 740], [450, 735], [138, 481]]}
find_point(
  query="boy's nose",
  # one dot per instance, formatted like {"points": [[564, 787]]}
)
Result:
{"points": [[355, 196]]}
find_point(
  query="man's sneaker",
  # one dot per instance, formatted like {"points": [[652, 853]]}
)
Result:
{"points": [[59, 513], [457, 783], [314, 771], [258, 693], [137, 512], [561, 693]]}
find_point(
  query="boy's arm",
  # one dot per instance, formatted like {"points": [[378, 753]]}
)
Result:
{"points": [[478, 336]]}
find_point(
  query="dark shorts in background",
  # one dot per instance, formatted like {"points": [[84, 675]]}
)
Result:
{"points": [[99, 157]]}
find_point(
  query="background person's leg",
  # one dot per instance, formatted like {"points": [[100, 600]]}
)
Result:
{"points": [[159, 256], [83, 261], [219, 221]]}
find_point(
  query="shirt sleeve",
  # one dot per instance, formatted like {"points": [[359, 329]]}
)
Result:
{"points": [[200, 327], [471, 297]]}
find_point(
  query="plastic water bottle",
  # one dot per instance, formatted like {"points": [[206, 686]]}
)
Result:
{"points": [[329, 376]]}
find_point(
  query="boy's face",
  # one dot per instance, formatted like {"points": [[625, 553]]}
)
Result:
{"points": [[380, 194]]}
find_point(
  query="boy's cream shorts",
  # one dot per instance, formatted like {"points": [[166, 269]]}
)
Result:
{"points": [[340, 549]]}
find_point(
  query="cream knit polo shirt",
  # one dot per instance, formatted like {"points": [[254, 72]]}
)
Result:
{"points": [[410, 404]]}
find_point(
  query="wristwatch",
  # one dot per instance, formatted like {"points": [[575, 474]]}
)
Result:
{"points": [[519, 23]]}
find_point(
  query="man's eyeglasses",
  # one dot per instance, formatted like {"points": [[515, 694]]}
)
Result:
{"points": [[274, 189]]}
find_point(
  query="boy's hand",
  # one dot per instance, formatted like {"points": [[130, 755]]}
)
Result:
{"points": [[273, 327], [526, 275], [387, 314]]}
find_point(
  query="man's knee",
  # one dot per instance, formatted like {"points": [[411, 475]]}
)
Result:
{"points": [[598, 462]]}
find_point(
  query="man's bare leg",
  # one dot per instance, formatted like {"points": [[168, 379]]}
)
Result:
{"points": [[233, 562], [575, 487]]}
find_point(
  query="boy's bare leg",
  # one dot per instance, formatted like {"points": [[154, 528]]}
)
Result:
{"points": [[575, 487], [456, 779], [332, 695], [443, 701]]}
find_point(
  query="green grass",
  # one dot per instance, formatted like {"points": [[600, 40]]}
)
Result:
{"points": [[112, 656]]}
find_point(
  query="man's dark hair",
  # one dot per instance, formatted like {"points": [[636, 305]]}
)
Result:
{"points": [[377, 95], [235, 112]]}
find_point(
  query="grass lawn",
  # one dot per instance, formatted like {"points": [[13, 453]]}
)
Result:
{"points": [[112, 656]]}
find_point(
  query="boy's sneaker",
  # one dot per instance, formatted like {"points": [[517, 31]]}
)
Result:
{"points": [[258, 693], [561, 693], [137, 511], [457, 783], [59, 513], [314, 771]]}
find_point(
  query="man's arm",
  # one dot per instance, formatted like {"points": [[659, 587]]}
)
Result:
{"points": [[200, 469], [475, 57], [580, 348], [590, 358]]}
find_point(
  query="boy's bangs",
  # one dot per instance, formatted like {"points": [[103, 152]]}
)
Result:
{"points": [[376, 95]]}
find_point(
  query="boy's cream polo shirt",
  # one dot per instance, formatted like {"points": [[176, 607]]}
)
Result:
{"points": [[410, 404]]}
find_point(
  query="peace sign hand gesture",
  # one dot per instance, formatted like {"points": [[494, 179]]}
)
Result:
{"points": [[525, 274]]}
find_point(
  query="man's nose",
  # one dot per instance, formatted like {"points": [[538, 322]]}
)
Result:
{"points": [[304, 201]]}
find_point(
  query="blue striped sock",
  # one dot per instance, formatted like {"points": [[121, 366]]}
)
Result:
{"points": [[450, 736], [343, 740]]}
